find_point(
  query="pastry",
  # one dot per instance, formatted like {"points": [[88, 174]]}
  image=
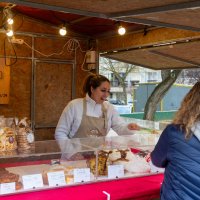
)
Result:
{"points": [[133, 163], [102, 163], [7, 139], [7, 177]]}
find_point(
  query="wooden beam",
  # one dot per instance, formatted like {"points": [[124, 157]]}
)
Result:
{"points": [[137, 40], [157, 9]]}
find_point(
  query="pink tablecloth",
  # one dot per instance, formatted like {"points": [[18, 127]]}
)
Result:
{"points": [[141, 188]]}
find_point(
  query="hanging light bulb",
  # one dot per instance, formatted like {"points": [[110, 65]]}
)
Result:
{"points": [[8, 13], [63, 31], [10, 33], [121, 30], [10, 21]]}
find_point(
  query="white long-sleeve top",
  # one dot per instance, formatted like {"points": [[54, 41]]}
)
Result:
{"points": [[71, 117]]}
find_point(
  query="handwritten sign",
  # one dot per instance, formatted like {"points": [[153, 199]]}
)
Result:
{"points": [[56, 178], [32, 181], [81, 175], [115, 171]]}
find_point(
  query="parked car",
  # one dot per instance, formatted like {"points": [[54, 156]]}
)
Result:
{"points": [[116, 102]]}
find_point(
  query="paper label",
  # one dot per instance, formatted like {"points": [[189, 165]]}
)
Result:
{"points": [[81, 175], [115, 171], [7, 188], [56, 178], [30, 137], [32, 181]]}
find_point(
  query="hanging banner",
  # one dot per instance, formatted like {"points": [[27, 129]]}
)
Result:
{"points": [[4, 81]]}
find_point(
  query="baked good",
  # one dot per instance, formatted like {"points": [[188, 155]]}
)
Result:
{"points": [[8, 140], [18, 185], [133, 163], [8, 177], [2, 170], [102, 163], [25, 138]]}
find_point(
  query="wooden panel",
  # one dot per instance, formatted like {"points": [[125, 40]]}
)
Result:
{"points": [[80, 75], [31, 25], [148, 59], [186, 17], [53, 89], [21, 49], [4, 81], [107, 6], [44, 134], [188, 51], [59, 47], [16, 50], [153, 37], [20, 84]]}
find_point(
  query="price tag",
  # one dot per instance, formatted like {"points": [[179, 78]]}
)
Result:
{"points": [[32, 181], [81, 175], [56, 178], [7, 188], [115, 171]]}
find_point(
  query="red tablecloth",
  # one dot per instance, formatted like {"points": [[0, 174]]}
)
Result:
{"points": [[141, 188]]}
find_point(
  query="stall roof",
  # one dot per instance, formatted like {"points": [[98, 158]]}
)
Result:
{"points": [[97, 19]]}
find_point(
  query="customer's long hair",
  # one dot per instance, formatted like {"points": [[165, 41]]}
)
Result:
{"points": [[189, 111]]}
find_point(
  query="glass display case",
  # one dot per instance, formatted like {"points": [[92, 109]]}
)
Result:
{"points": [[147, 125], [57, 164]]}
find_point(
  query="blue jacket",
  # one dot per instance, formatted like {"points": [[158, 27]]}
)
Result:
{"points": [[181, 160]]}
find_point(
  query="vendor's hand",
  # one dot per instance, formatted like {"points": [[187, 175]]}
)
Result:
{"points": [[133, 126]]}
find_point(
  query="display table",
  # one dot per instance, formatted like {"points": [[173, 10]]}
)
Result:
{"points": [[137, 188]]}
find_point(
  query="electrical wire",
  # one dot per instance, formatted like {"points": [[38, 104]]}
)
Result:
{"points": [[82, 66], [5, 15], [71, 45]]}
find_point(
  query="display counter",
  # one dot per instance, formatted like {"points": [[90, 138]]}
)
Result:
{"points": [[82, 168], [140, 188]]}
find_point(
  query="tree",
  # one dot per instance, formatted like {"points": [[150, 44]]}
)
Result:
{"points": [[189, 76], [120, 71], [168, 79]]}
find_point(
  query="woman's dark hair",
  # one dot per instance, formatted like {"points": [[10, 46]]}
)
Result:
{"points": [[94, 81]]}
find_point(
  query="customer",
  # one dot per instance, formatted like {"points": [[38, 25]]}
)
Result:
{"points": [[178, 151], [92, 115]]}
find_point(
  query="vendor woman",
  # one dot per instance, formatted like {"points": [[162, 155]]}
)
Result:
{"points": [[92, 115]]}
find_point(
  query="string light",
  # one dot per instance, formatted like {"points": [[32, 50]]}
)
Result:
{"points": [[10, 21], [9, 33], [121, 30], [63, 31]]}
